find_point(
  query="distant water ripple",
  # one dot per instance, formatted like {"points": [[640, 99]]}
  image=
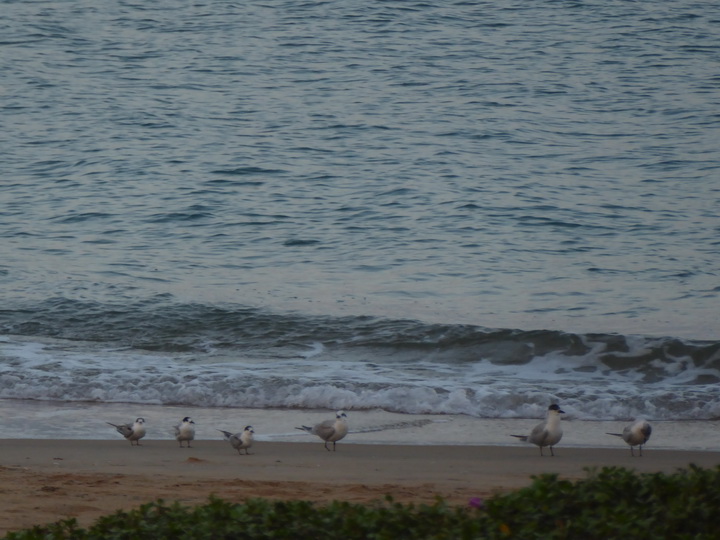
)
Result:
{"points": [[263, 179]]}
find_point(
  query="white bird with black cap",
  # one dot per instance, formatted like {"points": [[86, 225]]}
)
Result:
{"points": [[547, 433], [185, 431], [132, 432], [330, 430], [240, 441]]}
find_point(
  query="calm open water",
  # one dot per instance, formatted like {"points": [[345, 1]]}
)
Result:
{"points": [[450, 208]]}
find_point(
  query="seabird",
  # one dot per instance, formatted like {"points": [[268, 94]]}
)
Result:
{"points": [[240, 441], [330, 430], [132, 432], [547, 433], [636, 434], [185, 431]]}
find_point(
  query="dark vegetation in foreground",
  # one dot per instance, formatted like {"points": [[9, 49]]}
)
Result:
{"points": [[609, 503]]}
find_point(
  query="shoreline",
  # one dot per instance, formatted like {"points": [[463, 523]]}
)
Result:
{"points": [[48, 480], [46, 420]]}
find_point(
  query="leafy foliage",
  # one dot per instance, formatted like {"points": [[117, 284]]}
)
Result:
{"points": [[610, 503]]}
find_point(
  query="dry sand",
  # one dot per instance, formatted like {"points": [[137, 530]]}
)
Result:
{"points": [[44, 480]]}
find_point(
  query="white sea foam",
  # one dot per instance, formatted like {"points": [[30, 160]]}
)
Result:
{"points": [[73, 371], [40, 420]]}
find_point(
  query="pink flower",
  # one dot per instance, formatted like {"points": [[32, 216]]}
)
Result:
{"points": [[476, 502]]}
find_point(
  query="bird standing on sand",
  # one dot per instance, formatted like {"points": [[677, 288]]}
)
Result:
{"points": [[330, 430], [636, 434], [185, 431], [132, 432], [547, 433], [240, 441]]}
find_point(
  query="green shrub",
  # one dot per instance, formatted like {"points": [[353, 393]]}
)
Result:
{"points": [[609, 503]]}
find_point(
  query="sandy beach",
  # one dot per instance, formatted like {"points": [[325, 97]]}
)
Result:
{"points": [[48, 480]]}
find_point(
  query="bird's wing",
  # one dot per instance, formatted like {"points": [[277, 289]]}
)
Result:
{"points": [[539, 434], [235, 440], [324, 429], [125, 429]]}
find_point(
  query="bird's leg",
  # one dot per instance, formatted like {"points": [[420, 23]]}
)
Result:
{"points": [[552, 453]]}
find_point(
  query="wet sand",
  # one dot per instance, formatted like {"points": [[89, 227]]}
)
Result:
{"points": [[44, 480]]}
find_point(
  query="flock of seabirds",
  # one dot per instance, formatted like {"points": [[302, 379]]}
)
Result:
{"points": [[546, 434]]}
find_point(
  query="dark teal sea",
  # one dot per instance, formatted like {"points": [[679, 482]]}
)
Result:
{"points": [[466, 208]]}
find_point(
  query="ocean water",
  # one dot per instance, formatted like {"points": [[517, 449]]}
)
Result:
{"points": [[458, 210]]}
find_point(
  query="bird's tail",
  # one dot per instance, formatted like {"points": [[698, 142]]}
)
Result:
{"points": [[521, 437], [227, 434], [113, 425], [616, 434], [305, 428]]}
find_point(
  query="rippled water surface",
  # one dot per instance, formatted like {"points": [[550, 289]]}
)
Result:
{"points": [[514, 165], [540, 166]]}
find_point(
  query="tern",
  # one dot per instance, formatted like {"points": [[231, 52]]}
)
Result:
{"points": [[132, 432], [547, 433], [185, 431], [330, 430], [240, 441], [636, 434]]}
